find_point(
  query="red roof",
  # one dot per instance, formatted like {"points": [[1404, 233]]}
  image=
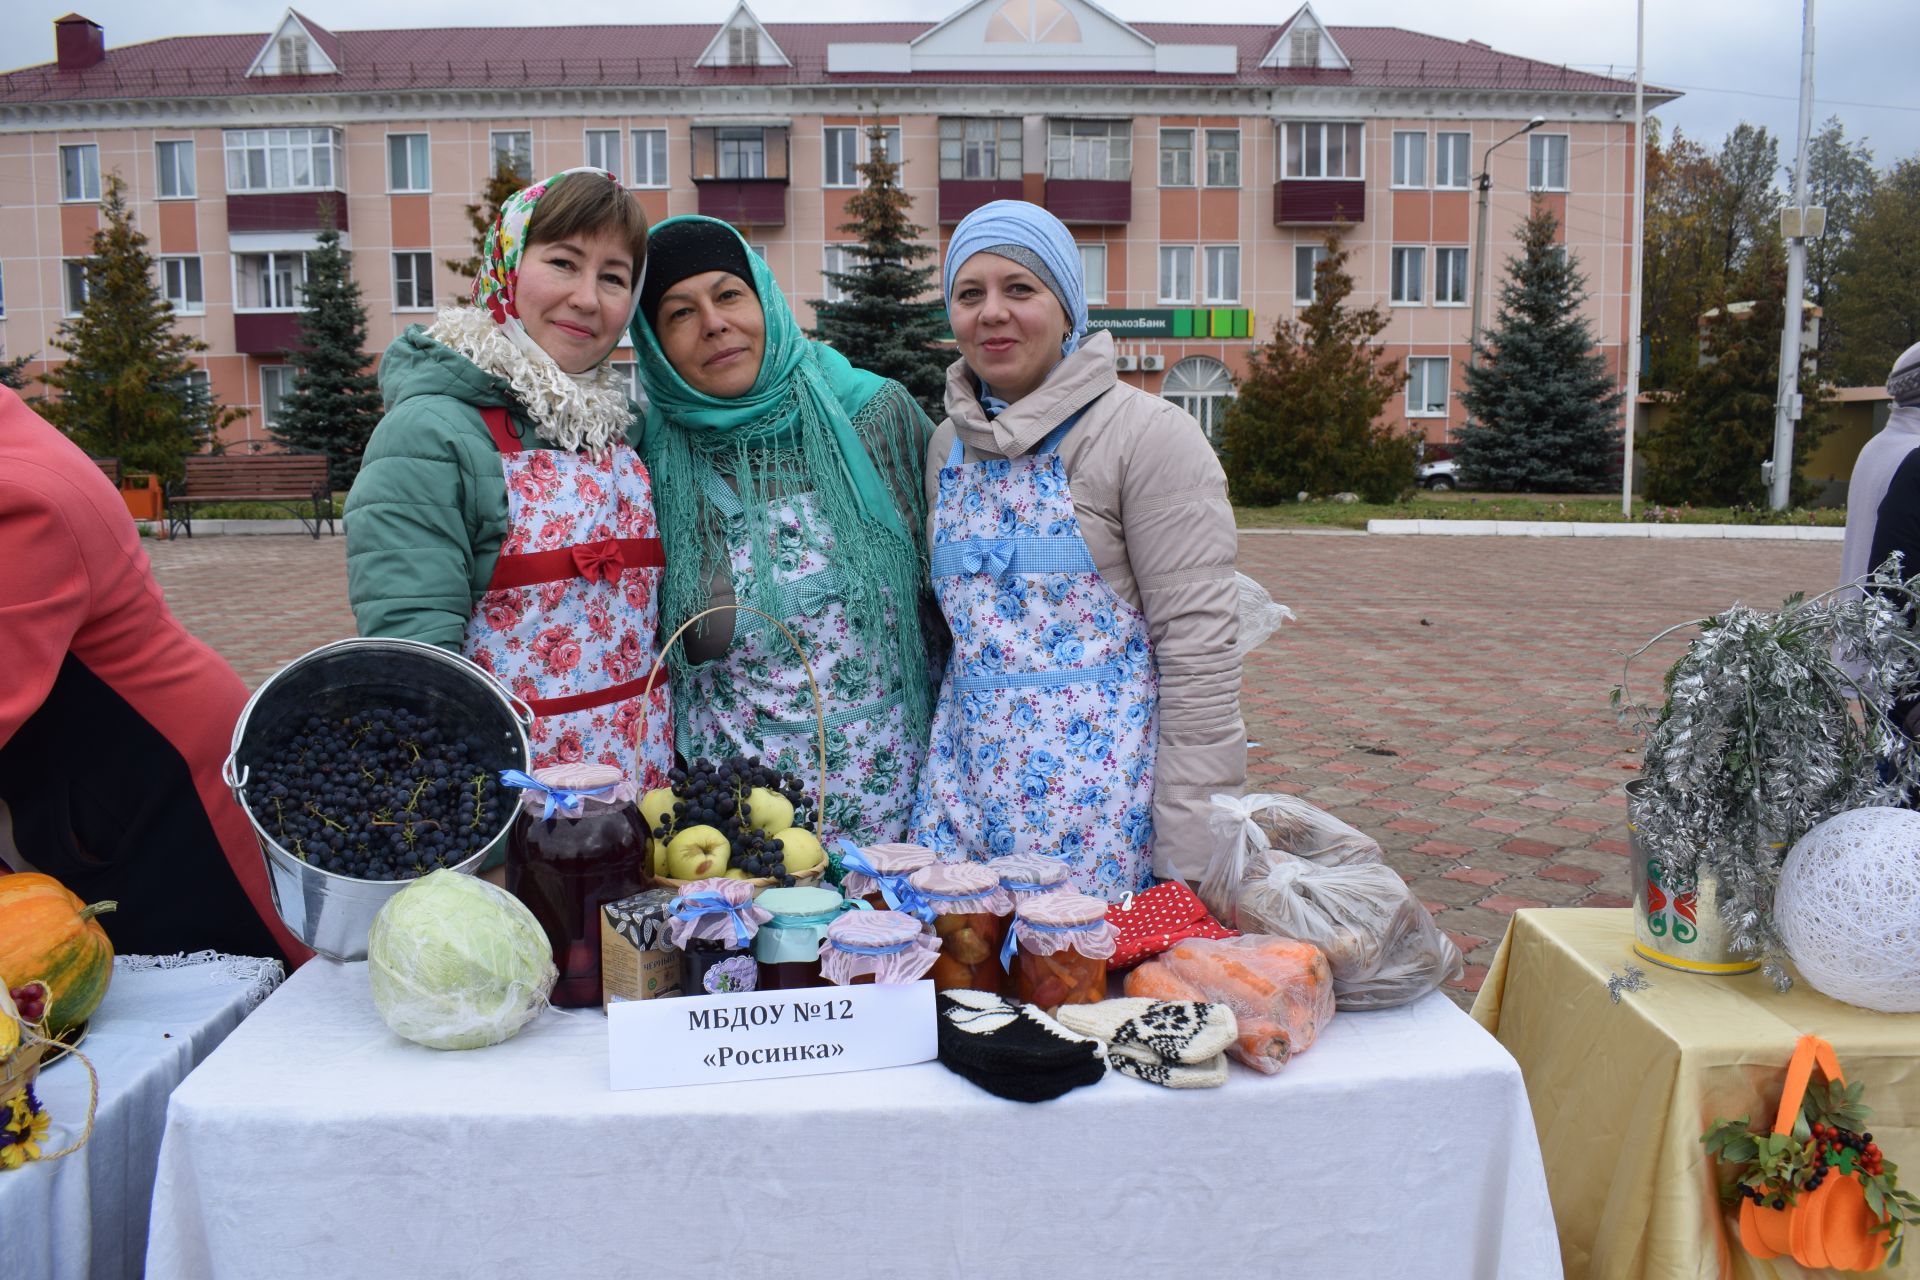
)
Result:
{"points": [[627, 56]]}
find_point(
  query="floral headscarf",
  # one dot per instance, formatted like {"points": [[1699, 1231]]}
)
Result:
{"points": [[500, 257]]}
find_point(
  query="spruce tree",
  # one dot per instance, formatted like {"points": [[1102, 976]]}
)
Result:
{"points": [[1303, 419], [125, 389], [1543, 413], [505, 181], [882, 323], [13, 373], [334, 403]]}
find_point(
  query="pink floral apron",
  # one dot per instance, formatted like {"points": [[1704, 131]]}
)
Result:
{"points": [[1043, 740], [570, 617]]}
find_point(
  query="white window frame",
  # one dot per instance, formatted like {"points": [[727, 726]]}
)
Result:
{"points": [[1171, 255], [1406, 157], [1217, 254], [167, 153], [837, 258], [1441, 254], [192, 279], [964, 140], [494, 150], [654, 181], [1206, 158], [1422, 409], [1399, 277], [299, 285], [1540, 161], [589, 138], [1303, 281], [86, 187], [1445, 151], [1090, 254], [73, 272], [312, 142], [1072, 139], [414, 280], [416, 184], [283, 384], [1172, 153], [630, 370], [737, 142], [840, 156], [1353, 165]]}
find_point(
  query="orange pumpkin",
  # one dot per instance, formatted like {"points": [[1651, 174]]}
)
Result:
{"points": [[48, 935]]}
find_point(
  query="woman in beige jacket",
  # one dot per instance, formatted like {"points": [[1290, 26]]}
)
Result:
{"points": [[1083, 553]]}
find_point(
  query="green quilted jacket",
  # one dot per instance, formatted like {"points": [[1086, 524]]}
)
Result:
{"points": [[428, 512]]}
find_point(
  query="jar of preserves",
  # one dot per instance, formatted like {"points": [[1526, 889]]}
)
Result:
{"points": [[876, 946], [576, 844], [879, 872], [714, 923], [788, 944], [1064, 942], [1027, 875], [970, 914]]}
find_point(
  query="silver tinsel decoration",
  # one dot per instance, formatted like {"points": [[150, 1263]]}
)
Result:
{"points": [[1758, 740], [1633, 979]]}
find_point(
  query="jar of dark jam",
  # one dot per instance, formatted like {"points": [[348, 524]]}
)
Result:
{"points": [[788, 944]]}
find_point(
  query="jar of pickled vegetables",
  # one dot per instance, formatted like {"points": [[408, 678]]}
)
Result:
{"points": [[788, 944], [713, 923], [876, 946], [1064, 942], [970, 915], [1027, 875], [878, 870]]}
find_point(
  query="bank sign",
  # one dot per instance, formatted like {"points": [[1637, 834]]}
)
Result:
{"points": [[1184, 322]]}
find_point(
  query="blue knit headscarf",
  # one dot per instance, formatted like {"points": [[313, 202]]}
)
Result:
{"points": [[1029, 227]]}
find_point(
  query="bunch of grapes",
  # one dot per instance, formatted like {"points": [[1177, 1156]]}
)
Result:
{"points": [[31, 1000], [383, 795], [716, 795]]}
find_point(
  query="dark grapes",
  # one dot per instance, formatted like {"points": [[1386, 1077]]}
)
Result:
{"points": [[714, 793]]}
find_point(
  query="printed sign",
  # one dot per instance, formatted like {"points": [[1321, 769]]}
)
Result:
{"points": [[1184, 322], [758, 1035]]}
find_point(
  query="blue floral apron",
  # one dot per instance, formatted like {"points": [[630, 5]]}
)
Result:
{"points": [[1043, 739]]}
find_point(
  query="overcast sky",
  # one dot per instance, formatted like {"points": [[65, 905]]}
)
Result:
{"points": [[1735, 59]]}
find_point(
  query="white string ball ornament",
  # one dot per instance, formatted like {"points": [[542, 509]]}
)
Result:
{"points": [[1848, 908]]}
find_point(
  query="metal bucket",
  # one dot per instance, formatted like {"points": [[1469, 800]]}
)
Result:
{"points": [[1679, 930], [329, 912]]}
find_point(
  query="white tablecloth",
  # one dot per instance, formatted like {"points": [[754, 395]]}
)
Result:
{"points": [[316, 1143], [85, 1214]]}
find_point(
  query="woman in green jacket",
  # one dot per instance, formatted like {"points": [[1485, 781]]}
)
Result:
{"points": [[502, 510]]}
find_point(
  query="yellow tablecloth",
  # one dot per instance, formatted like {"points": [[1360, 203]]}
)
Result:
{"points": [[1622, 1092]]}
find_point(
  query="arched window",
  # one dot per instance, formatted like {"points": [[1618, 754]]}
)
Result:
{"points": [[1202, 386]]}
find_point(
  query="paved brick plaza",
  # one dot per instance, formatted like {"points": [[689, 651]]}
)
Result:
{"points": [[1481, 664]]}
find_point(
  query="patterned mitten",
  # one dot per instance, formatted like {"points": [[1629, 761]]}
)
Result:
{"points": [[1210, 1074], [1171, 1031], [1012, 1050]]}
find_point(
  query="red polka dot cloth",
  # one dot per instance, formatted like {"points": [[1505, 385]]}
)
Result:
{"points": [[1151, 922]]}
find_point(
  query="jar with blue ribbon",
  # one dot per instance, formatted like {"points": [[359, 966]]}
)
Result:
{"points": [[788, 944], [713, 923], [878, 872], [969, 912], [1028, 875], [1063, 941], [876, 946]]}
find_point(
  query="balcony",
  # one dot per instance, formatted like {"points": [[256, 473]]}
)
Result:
{"points": [[960, 196], [1089, 200], [757, 202], [1318, 202], [266, 333], [284, 211]]}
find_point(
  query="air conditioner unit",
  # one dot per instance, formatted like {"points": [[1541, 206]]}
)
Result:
{"points": [[1123, 363], [1153, 364]]}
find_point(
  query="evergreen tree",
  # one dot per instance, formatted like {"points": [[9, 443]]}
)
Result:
{"points": [[1304, 416], [1543, 411], [881, 323], [334, 403], [1840, 179], [125, 389], [13, 373], [1876, 297], [505, 181]]}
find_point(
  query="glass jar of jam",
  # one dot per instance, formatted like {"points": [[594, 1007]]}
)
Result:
{"points": [[788, 944], [714, 923], [876, 868], [1064, 945], [970, 915], [1027, 875], [566, 863], [876, 946]]}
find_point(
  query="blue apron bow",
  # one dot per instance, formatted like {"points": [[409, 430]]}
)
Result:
{"points": [[566, 799], [810, 594], [991, 558], [691, 906]]}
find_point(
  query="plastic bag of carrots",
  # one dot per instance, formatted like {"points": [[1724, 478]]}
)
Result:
{"points": [[1281, 991]]}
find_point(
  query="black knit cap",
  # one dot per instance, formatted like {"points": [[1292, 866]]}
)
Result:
{"points": [[694, 247]]}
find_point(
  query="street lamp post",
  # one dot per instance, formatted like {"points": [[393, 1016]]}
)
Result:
{"points": [[1485, 183]]}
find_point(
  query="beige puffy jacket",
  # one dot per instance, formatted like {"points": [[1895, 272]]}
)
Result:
{"points": [[1152, 504]]}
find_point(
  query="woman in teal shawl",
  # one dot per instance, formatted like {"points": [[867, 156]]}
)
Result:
{"points": [[787, 480]]}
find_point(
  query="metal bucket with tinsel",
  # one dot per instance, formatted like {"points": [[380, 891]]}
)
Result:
{"points": [[1677, 925]]}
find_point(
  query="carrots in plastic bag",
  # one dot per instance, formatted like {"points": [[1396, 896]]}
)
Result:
{"points": [[1281, 991]]}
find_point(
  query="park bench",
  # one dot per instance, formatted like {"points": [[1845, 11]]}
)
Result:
{"points": [[295, 481], [110, 468]]}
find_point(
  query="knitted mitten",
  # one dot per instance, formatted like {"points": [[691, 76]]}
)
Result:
{"points": [[1210, 1074], [1169, 1031], [1013, 1050]]}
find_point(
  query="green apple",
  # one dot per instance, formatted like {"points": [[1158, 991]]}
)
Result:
{"points": [[657, 808], [771, 810], [734, 873], [696, 853], [803, 851]]}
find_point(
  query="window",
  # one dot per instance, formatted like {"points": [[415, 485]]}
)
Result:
{"points": [[80, 172], [743, 45], [1409, 277], [180, 283], [980, 150], [276, 381], [413, 282], [1427, 386], [1202, 387], [841, 162], [174, 160], [629, 371], [407, 165], [1176, 157], [513, 151], [1093, 270], [649, 157], [1450, 277], [3, 290], [1176, 274], [1096, 150], [1223, 157], [195, 389], [1319, 150], [74, 271], [739, 153], [889, 144], [1306, 262], [1223, 273], [285, 160], [743, 153], [1451, 167], [1410, 160], [839, 260], [269, 281], [1547, 162], [603, 150]]}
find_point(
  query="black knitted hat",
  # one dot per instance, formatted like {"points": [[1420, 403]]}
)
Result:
{"points": [[677, 250], [1012, 1050]]}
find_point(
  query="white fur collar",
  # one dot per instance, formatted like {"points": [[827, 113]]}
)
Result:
{"points": [[570, 411]]}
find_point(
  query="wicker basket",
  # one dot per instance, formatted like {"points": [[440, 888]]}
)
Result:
{"points": [[19, 1069]]}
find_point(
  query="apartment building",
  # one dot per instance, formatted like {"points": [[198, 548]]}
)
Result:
{"points": [[1199, 166]]}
